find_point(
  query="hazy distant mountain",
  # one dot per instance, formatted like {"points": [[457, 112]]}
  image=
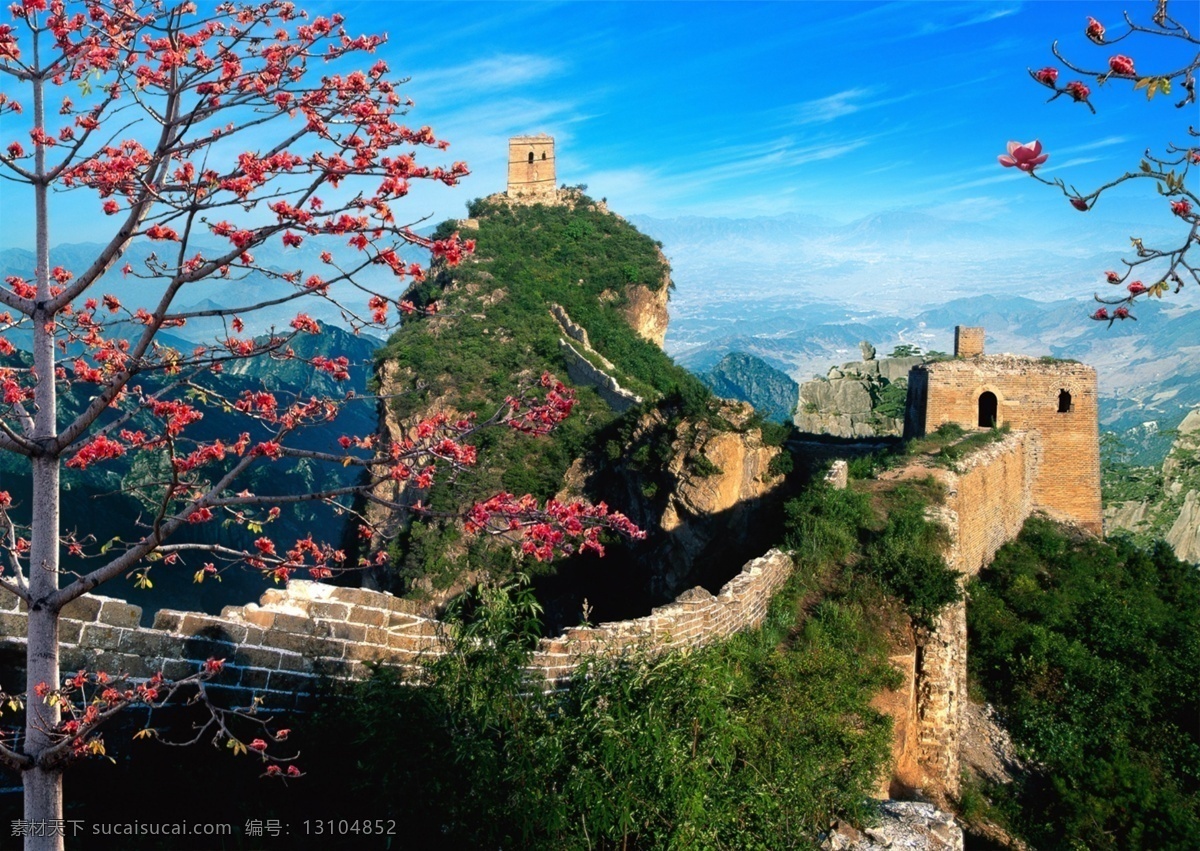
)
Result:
{"points": [[800, 292], [749, 379]]}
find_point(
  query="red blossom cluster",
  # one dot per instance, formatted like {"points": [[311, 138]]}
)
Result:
{"points": [[557, 529], [541, 417], [1168, 170]]}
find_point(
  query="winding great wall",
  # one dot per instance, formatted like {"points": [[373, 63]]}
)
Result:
{"points": [[286, 648]]}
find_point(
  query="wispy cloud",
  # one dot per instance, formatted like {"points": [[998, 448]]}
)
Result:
{"points": [[503, 71], [934, 27], [834, 106]]}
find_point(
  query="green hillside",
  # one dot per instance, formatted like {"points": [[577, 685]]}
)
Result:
{"points": [[494, 331]]}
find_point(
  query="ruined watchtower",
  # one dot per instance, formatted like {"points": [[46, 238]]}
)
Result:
{"points": [[531, 167], [1053, 398]]}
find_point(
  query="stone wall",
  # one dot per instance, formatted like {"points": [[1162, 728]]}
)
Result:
{"points": [[531, 167], [581, 369], [1056, 399], [284, 647], [988, 499]]}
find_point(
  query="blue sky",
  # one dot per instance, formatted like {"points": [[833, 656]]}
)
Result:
{"points": [[741, 109]]}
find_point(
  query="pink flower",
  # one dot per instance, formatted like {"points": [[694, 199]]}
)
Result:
{"points": [[1121, 65], [1079, 204], [1095, 31], [1078, 90], [1026, 157], [1047, 76]]}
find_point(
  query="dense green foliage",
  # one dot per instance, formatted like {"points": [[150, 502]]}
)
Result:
{"points": [[757, 742], [890, 399], [901, 553], [1091, 652], [495, 330]]}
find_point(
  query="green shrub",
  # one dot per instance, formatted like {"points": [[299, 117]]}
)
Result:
{"points": [[1091, 651]]}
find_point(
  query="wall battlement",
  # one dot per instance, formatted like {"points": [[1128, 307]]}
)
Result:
{"points": [[284, 647]]}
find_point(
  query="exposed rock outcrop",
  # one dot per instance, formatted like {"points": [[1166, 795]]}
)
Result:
{"points": [[696, 485], [646, 311], [645, 308], [858, 399], [1173, 513], [903, 825]]}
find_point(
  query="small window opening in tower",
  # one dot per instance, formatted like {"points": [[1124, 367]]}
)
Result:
{"points": [[988, 408], [531, 156], [1064, 402], [543, 154]]}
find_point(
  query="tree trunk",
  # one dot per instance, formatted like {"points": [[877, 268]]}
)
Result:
{"points": [[43, 788]]}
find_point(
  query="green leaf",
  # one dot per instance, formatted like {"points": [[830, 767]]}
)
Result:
{"points": [[108, 544]]}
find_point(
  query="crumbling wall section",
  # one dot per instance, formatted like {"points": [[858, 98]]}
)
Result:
{"points": [[283, 648]]}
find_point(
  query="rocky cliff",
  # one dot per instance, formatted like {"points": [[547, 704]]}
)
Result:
{"points": [[699, 480], [858, 399], [1165, 502]]}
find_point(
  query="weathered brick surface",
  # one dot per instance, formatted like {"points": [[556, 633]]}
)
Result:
{"points": [[1029, 394], [296, 636], [531, 166]]}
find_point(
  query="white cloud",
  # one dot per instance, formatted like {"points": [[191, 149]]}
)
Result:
{"points": [[831, 107]]}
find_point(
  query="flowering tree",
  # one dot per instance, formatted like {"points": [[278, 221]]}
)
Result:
{"points": [[204, 136], [1151, 271]]}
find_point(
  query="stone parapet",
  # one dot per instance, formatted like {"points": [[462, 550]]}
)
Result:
{"points": [[282, 648]]}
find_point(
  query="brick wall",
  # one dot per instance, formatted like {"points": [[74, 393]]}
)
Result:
{"points": [[531, 177], [1028, 392], [282, 648], [989, 497]]}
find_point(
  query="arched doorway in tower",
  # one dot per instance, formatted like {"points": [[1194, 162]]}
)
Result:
{"points": [[988, 408]]}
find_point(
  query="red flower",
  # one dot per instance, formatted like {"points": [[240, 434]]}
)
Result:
{"points": [[1113, 277], [258, 745], [1136, 288], [1095, 31], [214, 666], [1078, 90], [1101, 313], [1121, 64], [1181, 207], [1047, 76], [1026, 157], [1079, 204], [1122, 313]]}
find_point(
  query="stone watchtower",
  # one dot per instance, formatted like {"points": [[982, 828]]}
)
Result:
{"points": [[1055, 399], [531, 167]]}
